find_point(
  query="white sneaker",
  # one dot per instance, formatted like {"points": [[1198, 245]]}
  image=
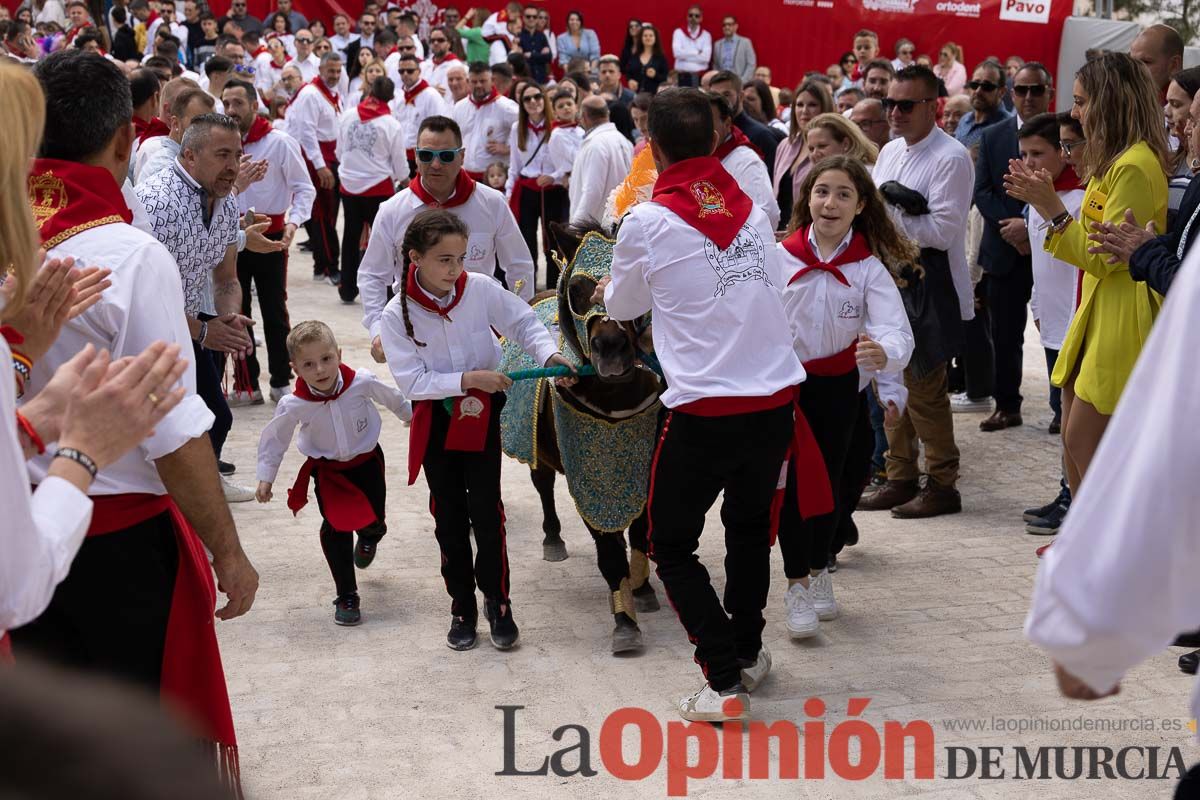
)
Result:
{"points": [[961, 404], [753, 675], [802, 619], [235, 493], [278, 393], [239, 398], [707, 705], [820, 589]]}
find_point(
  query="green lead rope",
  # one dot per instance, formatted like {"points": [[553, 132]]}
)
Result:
{"points": [[534, 374]]}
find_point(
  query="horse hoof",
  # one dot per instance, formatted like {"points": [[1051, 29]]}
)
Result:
{"points": [[626, 636], [645, 600], [554, 551]]}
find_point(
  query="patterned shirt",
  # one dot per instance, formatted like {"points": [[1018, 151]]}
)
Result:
{"points": [[176, 205]]}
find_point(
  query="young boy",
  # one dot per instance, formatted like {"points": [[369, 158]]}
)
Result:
{"points": [[1054, 282], [565, 138], [339, 432], [866, 50]]}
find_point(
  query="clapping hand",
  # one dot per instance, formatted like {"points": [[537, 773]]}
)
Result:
{"points": [[249, 172], [59, 291], [1119, 241], [1033, 187]]}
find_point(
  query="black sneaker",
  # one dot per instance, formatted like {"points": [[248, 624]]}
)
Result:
{"points": [[1033, 514], [831, 565], [462, 634], [364, 551], [345, 610], [1049, 524], [225, 468], [335, 277], [504, 633]]}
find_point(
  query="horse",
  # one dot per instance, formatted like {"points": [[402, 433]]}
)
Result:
{"points": [[599, 432]]}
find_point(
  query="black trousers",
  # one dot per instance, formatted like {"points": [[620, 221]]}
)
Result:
{"points": [[1055, 391], [856, 471], [695, 460], [974, 372], [269, 273], [360, 212], [1008, 299], [209, 369], [542, 208], [830, 403], [322, 225], [109, 616], [465, 496], [338, 545]]}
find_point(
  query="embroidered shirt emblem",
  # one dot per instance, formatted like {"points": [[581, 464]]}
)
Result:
{"points": [[710, 199]]}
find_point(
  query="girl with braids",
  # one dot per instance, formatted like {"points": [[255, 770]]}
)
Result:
{"points": [[437, 334], [847, 316]]}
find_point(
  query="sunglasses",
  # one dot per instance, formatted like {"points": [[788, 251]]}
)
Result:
{"points": [[1068, 145], [1035, 89], [906, 52], [533, 98], [531, 16], [986, 86], [304, 41], [426, 156], [409, 71], [905, 106], [438, 40], [850, 60], [693, 16], [406, 47], [243, 69]]}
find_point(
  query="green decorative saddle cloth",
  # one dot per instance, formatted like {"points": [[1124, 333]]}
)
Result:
{"points": [[518, 419]]}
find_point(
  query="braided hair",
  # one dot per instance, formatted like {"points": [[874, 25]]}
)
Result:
{"points": [[425, 231]]}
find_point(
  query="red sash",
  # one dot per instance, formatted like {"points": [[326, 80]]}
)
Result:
{"points": [[68, 198], [469, 421], [798, 245], [522, 183], [193, 680], [410, 95], [491, 98], [156, 127], [706, 197], [385, 188], [814, 493], [834, 365], [464, 185], [258, 130], [343, 505], [736, 139], [448, 57], [372, 108]]}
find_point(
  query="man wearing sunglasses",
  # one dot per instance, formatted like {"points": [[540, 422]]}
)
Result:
{"points": [[1004, 250], [926, 177], [306, 61], [987, 90], [441, 58], [442, 182], [693, 47], [420, 101], [237, 14], [486, 119]]}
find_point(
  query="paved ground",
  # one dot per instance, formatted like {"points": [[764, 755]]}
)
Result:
{"points": [[930, 630]]}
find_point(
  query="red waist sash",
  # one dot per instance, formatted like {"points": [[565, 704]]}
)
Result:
{"points": [[521, 185], [728, 406], [343, 504], [469, 421], [834, 365]]}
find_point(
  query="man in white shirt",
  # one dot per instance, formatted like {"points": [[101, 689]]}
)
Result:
{"points": [[419, 102], [702, 258], [441, 58], [486, 120], [442, 183], [692, 47], [181, 104], [927, 178], [342, 36], [313, 120], [601, 164], [305, 60], [160, 505], [456, 82], [739, 158], [286, 197]]}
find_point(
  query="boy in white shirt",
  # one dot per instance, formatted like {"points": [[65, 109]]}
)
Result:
{"points": [[339, 433]]}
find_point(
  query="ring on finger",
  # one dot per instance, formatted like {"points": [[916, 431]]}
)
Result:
{"points": [[153, 397]]}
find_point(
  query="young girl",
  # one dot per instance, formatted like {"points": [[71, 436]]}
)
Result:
{"points": [[438, 336], [846, 313], [496, 175]]}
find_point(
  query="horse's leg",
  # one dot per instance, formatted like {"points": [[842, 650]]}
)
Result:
{"points": [[553, 547], [644, 596], [610, 556]]}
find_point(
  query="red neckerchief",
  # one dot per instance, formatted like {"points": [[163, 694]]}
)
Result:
{"points": [[798, 245], [687, 31], [463, 187], [491, 98], [262, 48], [328, 95], [303, 391], [258, 130], [139, 126], [372, 108], [150, 20], [736, 139], [443, 60], [537, 129], [1067, 180], [410, 95], [68, 198], [421, 298], [705, 196], [71, 34], [856, 73], [566, 124], [389, 53], [156, 127]]}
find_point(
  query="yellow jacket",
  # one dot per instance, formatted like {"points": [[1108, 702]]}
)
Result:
{"points": [[1115, 313]]}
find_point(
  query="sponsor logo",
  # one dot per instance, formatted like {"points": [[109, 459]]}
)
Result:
{"points": [[958, 9], [1025, 11], [892, 6]]}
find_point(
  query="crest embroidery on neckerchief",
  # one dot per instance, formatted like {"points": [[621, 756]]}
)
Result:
{"points": [[710, 199], [47, 196]]}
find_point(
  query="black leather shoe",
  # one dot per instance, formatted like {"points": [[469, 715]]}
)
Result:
{"points": [[999, 420], [1188, 662], [1187, 639], [504, 633], [462, 634]]}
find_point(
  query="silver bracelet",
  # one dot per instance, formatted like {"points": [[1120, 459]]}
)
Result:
{"points": [[203, 333], [82, 459]]}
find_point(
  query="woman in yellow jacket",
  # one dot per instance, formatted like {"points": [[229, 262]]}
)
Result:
{"points": [[1124, 159]]}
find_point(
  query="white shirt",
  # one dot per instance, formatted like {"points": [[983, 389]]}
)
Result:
{"points": [[1120, 581], [151, 33], [691, 55], [720, 329], [157, 153], [493, 232], [143, 305], [428, 103], [939, 168], [286, 188], [436, 73], [491, 122], [461, 341], [141, 220], [530, 162], [498, 50], [1053, 298], [262, 71], [309, 66], [42, 531], [750, 171], [342, 42], [602, 163], [337, 429], [370, 152], [564, 146], [312, 119], [827, 316]]}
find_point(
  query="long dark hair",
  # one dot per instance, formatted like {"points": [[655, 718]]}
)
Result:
{"points": [[425, 231], [523, 115], [656, 51], [760, 88], [883, 238]]}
